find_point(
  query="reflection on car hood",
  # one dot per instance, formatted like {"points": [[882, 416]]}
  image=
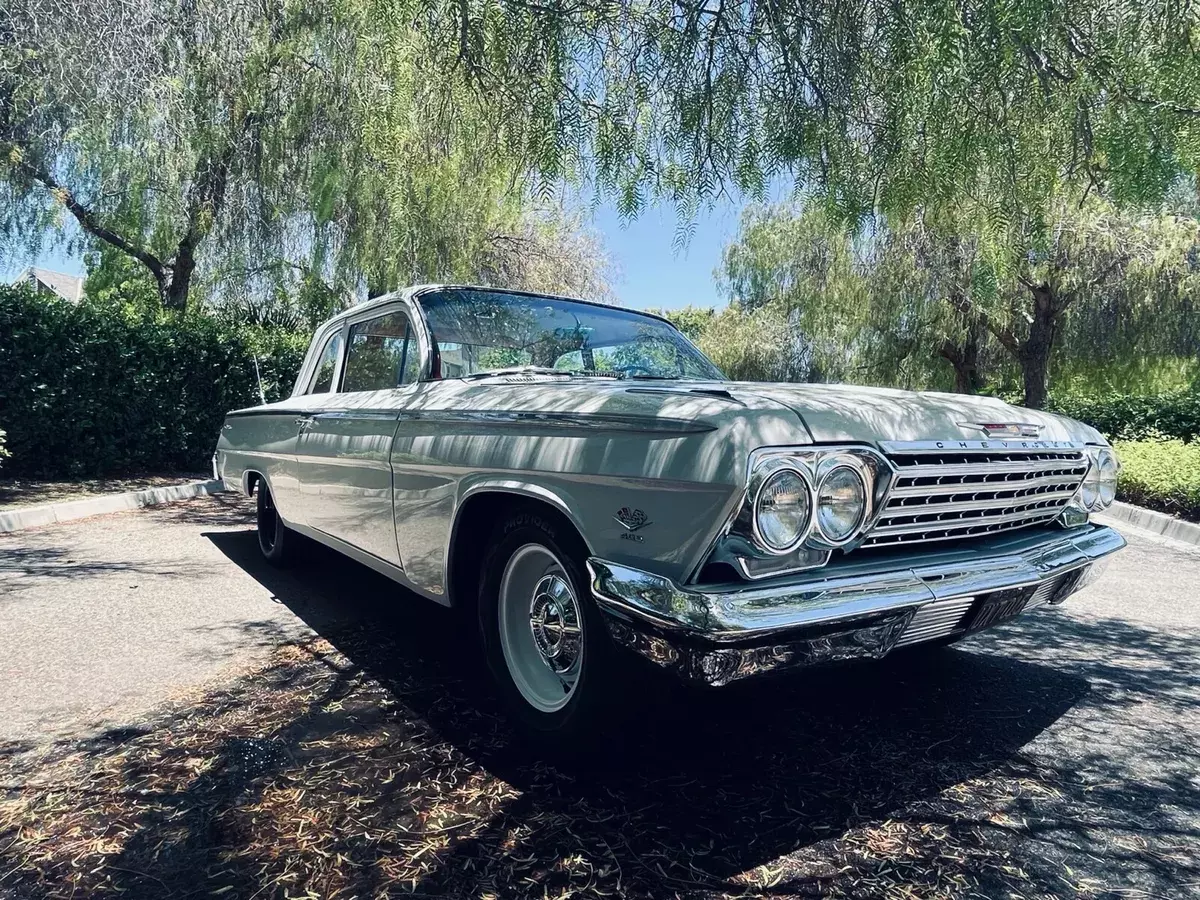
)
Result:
{"points": [[835, 412]]}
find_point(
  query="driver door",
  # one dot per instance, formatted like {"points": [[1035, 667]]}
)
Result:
{"points": [[343, 454]]}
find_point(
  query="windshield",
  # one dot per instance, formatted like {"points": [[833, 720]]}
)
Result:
{"points": [[480, 331]]}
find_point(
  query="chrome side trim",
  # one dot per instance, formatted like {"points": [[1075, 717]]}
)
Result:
{"points": [[586, 422], [723, 615]]}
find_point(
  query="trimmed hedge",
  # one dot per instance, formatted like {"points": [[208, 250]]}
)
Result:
{"points": [[1129, 417], [87, 390], [1162, 475]]}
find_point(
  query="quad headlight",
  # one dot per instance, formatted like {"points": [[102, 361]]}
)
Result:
{"points": [[1108, 479], [818, 499], [783, 510], [841, 504], [1099, 488]]}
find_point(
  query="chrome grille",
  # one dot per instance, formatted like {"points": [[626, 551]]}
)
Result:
{"points": [[941, 495], [935, 620]]}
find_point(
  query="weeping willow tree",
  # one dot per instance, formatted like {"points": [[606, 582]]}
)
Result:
{"points": [[165, 129], [1082, 256], [275, 154], [942, 292], [873, 106], [378, 141]]}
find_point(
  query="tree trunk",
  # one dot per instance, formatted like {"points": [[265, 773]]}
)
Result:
{"points": [[1035, 350], [175, 293], [964, 357]]}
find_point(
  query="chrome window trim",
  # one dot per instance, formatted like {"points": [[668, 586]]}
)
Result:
{"points": [[320, 353], [384, 306], [312, 356]]}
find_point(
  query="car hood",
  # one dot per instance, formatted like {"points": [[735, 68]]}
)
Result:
{"points": [[834, 413]]}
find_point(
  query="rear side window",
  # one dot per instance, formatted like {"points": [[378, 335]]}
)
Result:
{"points": [[322, 378], [383, 353]]}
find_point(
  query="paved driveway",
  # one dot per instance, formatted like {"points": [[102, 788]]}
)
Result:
{"points": [[181, 719]]}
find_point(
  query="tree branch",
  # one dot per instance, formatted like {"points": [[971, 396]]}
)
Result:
{"points": [[91, 224]]}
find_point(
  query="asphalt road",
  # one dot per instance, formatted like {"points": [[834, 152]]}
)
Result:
{"points": [[105, 617], [1088, 715]]}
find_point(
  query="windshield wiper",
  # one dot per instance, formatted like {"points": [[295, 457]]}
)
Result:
{"points": [[640, 376], [596, 373], [541, 370], [518, 370]]}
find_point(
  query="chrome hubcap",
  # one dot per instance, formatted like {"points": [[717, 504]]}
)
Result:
{"points": [[554, 620], [541, 628]]}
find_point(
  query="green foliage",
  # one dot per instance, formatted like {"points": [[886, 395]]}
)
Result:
{"points": [[1161, 474], [269, 159], [954, 299], [89, 390], [115, 278], [872, 106], [861, 306], [693, 321], [763, 344], [173, 129], [1132, 417]]}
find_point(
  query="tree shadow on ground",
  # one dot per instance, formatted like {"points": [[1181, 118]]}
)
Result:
{"points": [[379, 765]]}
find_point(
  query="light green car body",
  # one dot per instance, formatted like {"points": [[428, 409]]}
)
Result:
{"points": [[388, 476]]}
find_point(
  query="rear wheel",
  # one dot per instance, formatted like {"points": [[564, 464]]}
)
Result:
{"points": [[275, 539], [547, 646]]}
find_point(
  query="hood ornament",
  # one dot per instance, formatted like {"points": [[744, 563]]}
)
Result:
{"points": [[1005, 429]]}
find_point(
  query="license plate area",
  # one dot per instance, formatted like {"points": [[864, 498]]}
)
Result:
{"points": [[999, 606]]}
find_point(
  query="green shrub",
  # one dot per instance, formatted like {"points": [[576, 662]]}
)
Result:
{"points": [[1132, 417], [1161, 474], [89, 390]]}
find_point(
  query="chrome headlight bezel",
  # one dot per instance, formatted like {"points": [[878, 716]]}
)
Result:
{"points": [[1091, 493], [741, 544], [1108, 460]]}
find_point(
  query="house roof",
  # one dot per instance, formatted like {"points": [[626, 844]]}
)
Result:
{"points": [[69, 287]]}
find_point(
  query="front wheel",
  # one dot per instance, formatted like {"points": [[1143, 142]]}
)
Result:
{"points": [[275, 540], [546, 643]]}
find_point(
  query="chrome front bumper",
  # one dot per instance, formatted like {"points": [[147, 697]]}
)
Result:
{"points": [[861, 610]]}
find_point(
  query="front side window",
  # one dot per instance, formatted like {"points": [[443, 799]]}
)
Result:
{"points": [[383, 353], [322, 379], [480, 331]]}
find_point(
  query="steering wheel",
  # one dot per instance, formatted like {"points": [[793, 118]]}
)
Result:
{"points": [[630, 370]]}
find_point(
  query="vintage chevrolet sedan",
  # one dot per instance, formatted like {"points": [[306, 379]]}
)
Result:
{"points": [[584, 483]]}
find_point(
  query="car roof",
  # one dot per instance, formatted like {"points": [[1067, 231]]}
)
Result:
{"points": [[411, 293]]}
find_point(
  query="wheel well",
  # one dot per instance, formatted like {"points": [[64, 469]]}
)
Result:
{"points": [[473, 527], [252, 482]]}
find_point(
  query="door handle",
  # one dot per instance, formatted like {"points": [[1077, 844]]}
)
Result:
{"points": [[305, 421]]}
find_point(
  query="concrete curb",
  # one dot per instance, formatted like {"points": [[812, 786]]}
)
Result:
{"points": [[69, 510], [1155, 522]]}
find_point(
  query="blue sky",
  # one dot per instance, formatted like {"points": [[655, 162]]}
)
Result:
{"points": [[649, 270]]}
